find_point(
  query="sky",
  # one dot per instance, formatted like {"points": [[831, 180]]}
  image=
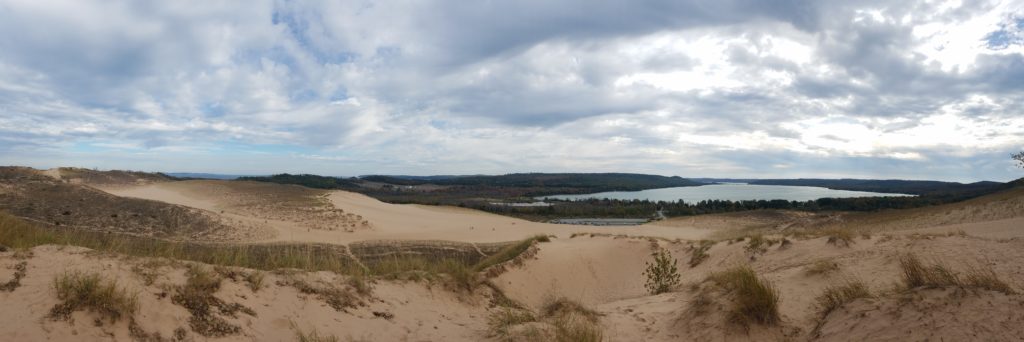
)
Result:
{"points": [[725, 88]]}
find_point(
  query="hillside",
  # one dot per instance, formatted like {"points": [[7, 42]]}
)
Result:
{"points": [[895, 186]]}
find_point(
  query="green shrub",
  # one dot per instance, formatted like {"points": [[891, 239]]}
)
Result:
{"points": [[662, 274]]}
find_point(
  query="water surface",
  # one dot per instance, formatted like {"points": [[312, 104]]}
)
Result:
{"points": [[727, 191]]}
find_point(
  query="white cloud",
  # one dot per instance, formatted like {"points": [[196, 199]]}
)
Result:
{"points": [[673, 87]]}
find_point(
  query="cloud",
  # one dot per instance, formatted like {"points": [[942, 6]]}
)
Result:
{"points": [[921, 89]]}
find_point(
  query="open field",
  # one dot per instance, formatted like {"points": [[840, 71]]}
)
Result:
{"points": [[417, 272]]}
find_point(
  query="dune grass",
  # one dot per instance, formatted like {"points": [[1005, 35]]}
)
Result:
{"points": [[19, 234], [94, 293], [700, 252], [755, 299], [837, 295], [500, 322], [572, 321], [197, 296], [840, 237], [915, 274]]}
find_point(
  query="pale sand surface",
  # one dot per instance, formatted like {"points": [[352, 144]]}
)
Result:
{"points": [[601, 272], [604, 272], [393, 221], [420, 313]]}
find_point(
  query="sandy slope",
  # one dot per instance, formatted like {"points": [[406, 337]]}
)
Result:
{"points": [[602, 271], [387, 221], [420, 313]]}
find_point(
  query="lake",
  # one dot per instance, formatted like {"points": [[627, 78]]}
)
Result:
{"points": [[727, 191]]}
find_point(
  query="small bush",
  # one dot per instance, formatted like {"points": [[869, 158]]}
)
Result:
{"points": [[662, 274], [754, 299], [822, 267], [837, 295], [90, 291], [700, 252]]}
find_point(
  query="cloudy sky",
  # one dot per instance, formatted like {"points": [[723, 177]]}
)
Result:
{"points": [[725, 88]]}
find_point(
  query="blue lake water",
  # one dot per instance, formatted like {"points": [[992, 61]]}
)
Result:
{"points": [[727, 191]]}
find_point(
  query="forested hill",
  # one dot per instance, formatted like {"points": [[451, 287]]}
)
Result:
{"points": [[310, 181], [590, 181], [895, 186]]}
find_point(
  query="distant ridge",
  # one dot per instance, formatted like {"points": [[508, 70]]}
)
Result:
{"points": [[193, 175]]}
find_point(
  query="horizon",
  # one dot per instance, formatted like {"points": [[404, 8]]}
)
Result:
{"points": [[914, 90], [173, 173]]}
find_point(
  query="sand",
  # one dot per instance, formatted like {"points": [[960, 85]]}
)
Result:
{"points": [[602, 271], [391, 221]]}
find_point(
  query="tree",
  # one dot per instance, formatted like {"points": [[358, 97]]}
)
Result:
{"points": [[1019, 158], [662, 274]]}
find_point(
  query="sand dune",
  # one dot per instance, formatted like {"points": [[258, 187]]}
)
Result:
{"points": [[386, 221], [599, 267]]}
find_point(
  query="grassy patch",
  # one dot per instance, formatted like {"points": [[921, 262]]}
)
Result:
{"points": [[754, 298], [572, 320], [757, 244], [836, 296], [312, 335], [91, 292], [339, 299], [509, 252], [500, 322], [422, 260], [699, 253], [936, 275], [840, 237], [197, 296]]}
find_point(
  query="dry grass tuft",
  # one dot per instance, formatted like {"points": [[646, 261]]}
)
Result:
{"points": [[836, 296], [92, 292], [840, 237], [500, 323], [20, 270], [197, 297], [983, 277], [917, 274], [312, 335], [572, 320], [339, 299], [757, 244], [821, 267], [700, 253], [755, 299]]}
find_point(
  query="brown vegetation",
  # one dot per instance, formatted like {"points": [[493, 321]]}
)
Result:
{"points": [[92, 292]]}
